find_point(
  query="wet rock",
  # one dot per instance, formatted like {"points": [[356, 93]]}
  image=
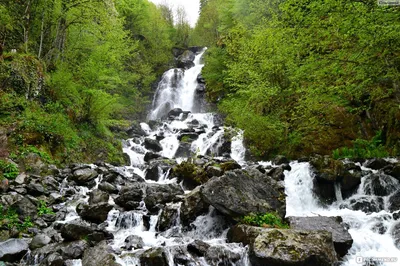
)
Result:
{"points": [[154, 257], [25, 208], [184, 150], [169, 217], [177, 51], [276, 247], [152, 144], [192, 206], [241, 192], [200, 88], [35, 189], [376, 163], [221, 255], [133, 242], [160, 194], [198, 248], [277, 173], [396, 234], [176, 112], [107, 187], [393, 170], [73, 250], [39, 241], [96, 213], [214, 171], [200, 79], [245, 234], [54, 259], [135, 130], [83, 176], [365, 204], [380, 184], [99, 255], [130, 197], [280, 159], [75, 230], [342, 240], [12, 250], [190, 174], [327, 169], [394, 201], [230, 165], [186, 59], [153, 172], [150, 156], [98, 196]]}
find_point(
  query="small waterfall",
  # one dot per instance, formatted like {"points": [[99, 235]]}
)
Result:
{"points": [[338, 191]]}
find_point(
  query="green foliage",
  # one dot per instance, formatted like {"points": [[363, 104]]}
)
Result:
{"points": [[269, 220], [8, 170], [10, 218], [43, 209], [363, 149]]}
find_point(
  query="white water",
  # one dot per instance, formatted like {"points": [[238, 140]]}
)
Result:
{"points": [[301, 201]]}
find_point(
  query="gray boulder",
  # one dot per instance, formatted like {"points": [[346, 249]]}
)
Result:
{"points": [[39, 241], [186, 59], [342, 240], [275, 247], [161, 194], [83, 176], [25, 208], [152, 144], [75, 230], [99, 255], [73, 250], [241, 192], [96, 213], [98, 196], [12, 250], [130, 197], [133, 242], [154, 257], [192, 206]]}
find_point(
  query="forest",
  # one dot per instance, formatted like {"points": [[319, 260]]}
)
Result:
{"points": [[75, 73], [304, 76], [299, 77]]}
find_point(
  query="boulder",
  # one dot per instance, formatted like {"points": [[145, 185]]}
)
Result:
{"points": [[39, 241], [131, 196], [198, 248], [277, 173], [169, 217], [152, 144], [73, 250], [244, 234], [176, 112], [154, 257], [12, 250], [150, 156], [98, 196], [100, 255], [393, 170], [366, 204], [275, 247], [186, 59], [76, 230], [342, 240], [280, 159], [160, 194], [241, 192], [394, 201], [35, 189], [83, 176], [192, 206], [153, 172], [107, 187], [376, 163], [396, 235], [133, 242], [184, 150], [380, 184], [96, 213], [135, 130], [25, 208]]}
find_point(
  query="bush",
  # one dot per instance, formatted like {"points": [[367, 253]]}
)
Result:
{"points": [[8, 170], [264, 220]]}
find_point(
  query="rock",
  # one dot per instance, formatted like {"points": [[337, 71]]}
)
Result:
{"points": [[376, 163], [198, 248], [241, 192], [214, 171], [245, 234], [107, 187], [276, 247], [186, 59], [176, 112], [342, 240], [192, 206], [25, 209], [154, 257], [393, 170], [184, 150], [152, 144], [75, 230], [4, 185], [96, 213], [169, 216], [153, 172], [277, 173], [327, 169], [39, 241], [200, 79], [200, 88], [73, 250], [98, 196], [380, 184], [84, 175], [99, 255], [130, 197], [221, 255], [34, 163], [21, 178], [177, 51], [230, 165], [133, 242], [54, 259], [161, 194], [12, 250], [136, 130], [280, 159], [395, 235], [394, 201], [150, 156], [366, 204]]}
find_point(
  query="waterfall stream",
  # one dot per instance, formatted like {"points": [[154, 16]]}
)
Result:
{"points": [[176, 122]]}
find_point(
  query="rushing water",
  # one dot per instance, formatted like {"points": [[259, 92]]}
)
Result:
{"points": [[177, 89]]}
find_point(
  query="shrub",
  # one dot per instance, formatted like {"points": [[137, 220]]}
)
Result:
{"points": [[8, 170], [264, 220]]}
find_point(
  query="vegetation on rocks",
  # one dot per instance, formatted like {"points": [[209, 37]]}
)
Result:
{"points": [[268, 220], [305, 77]]}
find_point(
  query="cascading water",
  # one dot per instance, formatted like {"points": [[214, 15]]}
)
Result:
{"points": [[369, 243]]}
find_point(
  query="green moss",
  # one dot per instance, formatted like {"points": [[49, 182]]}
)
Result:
{"points": [[8, 170], [270, 220]]}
